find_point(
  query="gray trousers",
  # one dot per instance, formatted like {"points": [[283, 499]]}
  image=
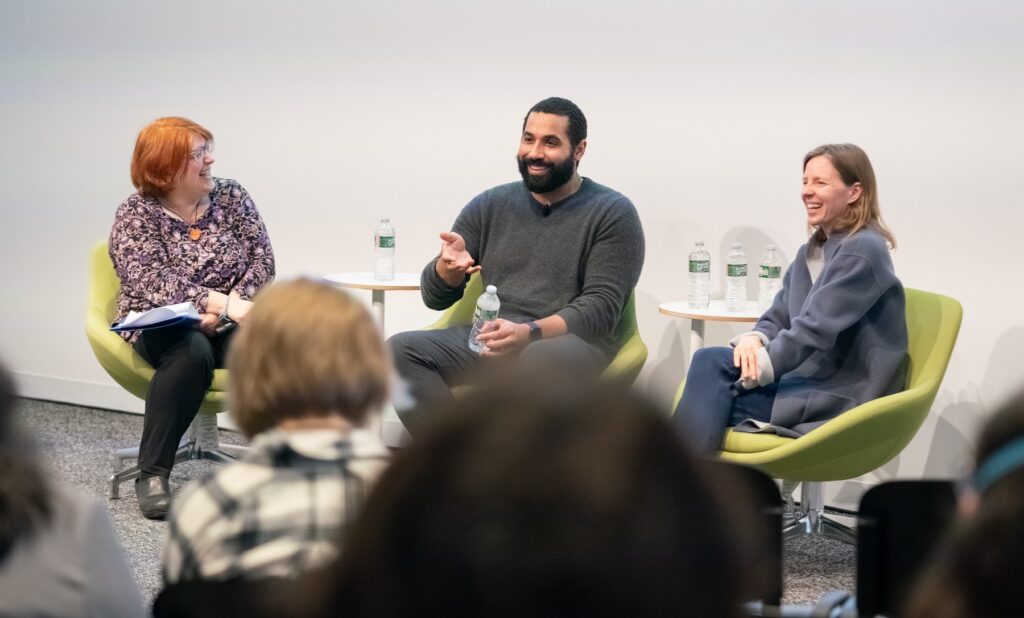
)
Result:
{"points": [[431, 362]]}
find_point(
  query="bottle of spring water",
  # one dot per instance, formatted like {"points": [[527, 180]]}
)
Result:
{"points": [[486, 310], [769, 278], [736, 279], [699, 294], [384, 251]]}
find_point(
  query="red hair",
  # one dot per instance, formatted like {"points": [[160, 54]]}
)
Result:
{"points": [[160, 153]]}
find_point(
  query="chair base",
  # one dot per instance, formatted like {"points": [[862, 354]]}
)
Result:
{"points": [[199, 443], [809, 518]]}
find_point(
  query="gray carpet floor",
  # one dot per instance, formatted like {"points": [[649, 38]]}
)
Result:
{"points": [[79, 442]]}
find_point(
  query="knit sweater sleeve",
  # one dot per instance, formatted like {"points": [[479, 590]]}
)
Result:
{"points": [[609, 274]]}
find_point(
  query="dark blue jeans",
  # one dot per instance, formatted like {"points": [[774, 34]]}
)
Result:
{"points": [[713, 401]]}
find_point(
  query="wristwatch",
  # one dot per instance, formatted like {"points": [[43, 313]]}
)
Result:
{"points": [[224, 323], [535, 332]]}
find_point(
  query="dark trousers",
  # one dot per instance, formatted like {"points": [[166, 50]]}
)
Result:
{"points": [[184, 359], [432, 361], [713, 401]]}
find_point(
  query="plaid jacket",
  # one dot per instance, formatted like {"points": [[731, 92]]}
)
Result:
{"points": [[278, 511]]}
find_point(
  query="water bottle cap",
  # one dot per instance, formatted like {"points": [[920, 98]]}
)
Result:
{"points": [[736, 245], [771, 248], [385, 220], [492, 289]]}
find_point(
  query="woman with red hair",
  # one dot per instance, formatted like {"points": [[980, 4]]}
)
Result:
{"points": [[183, 236]]}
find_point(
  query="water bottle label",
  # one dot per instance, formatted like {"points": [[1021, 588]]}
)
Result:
{"points": [[485, 314], [736, 270], [770, 272], [700, 266], [386, 242]]}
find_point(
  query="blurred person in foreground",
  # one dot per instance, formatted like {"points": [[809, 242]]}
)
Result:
{"points": [[183, 236], [302, 390], [59, 556], [537, 496], [977, 571]]}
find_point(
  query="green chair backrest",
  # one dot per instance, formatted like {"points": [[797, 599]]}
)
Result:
{"points": [[933, 322], [114, 354]]}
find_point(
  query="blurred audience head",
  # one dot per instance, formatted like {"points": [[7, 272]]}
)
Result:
{"points": [[306, 349], [25, 504], [161, 152], [977, 570], [538, 495]]}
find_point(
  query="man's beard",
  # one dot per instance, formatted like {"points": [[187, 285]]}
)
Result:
{"points": [[557, 175]]}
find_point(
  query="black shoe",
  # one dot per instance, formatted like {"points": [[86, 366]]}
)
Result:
{"points": [[154, 495]]}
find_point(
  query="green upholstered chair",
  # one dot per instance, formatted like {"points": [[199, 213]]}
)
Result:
{"points": [[627, 362], [133, 373], [866, 437]]}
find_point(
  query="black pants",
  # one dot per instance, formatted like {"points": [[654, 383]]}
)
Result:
{"points": [[432, 361], [184, 359]]}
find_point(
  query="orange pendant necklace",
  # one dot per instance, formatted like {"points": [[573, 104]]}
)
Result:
{"points": [[193, 229]]}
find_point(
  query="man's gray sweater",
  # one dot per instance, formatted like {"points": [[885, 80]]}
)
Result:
{"points": [[580, 258]]}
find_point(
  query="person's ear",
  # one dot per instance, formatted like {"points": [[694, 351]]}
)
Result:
{"points": [[855, 192], [580, 149]]}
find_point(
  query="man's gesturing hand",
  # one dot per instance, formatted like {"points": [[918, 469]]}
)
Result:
{"points": [[455, 263]]}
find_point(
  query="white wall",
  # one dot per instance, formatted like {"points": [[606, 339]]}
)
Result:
{"points": [[336, 114]]}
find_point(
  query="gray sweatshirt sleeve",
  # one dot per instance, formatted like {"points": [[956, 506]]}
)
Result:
{"points": [[776, 318], [435, 292], [610, 273]]}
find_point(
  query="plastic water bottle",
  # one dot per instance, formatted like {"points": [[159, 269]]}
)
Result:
{"points": [[486, 310], [769, 278], [736, 279], [699, 294], [384, 250]]}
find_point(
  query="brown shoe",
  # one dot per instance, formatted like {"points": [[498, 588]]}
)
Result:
{"points": [[154, 496]]}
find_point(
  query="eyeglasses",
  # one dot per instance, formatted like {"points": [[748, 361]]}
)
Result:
{"points": [[201, 152]]}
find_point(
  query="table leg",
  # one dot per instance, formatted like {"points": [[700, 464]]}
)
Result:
{"points": [[696, 336], [378, 309]]}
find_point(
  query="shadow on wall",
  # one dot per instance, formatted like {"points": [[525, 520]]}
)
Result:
{"points": [[962, 415], [957, 419]]}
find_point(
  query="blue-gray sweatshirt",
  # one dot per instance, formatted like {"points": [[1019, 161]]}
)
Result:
{"points": [[579, 259], [837, 342]]}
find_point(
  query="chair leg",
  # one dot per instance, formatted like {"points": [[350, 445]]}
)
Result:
{"points": [[810, 519], [234, 450], [199, 442], [208, 447], [121, 476]]}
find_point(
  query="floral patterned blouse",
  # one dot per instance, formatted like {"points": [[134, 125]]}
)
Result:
{"points": [[159, 264]]}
